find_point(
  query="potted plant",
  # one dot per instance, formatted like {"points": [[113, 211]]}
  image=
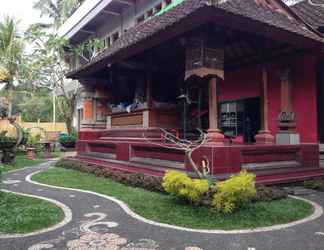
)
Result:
{"points": [[7, 146], [68, 141], [31, 148]]}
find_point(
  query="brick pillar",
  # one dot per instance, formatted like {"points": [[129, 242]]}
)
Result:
{"points": [[264, 136], [88, 109], [214, 134], [286, 119]]}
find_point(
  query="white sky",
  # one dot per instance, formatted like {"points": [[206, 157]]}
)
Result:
{"points": [[22, 10]]}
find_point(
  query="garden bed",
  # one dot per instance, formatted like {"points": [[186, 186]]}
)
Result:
{"points": [[20, 214], [165, 209]]}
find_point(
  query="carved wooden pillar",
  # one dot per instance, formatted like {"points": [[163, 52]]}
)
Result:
{"points": [[149, 99], [214, 134], [286, 119], [264, 136], [88, 109], [100, 108], [286, 96]]}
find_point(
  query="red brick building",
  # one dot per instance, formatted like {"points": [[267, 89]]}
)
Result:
{"points": [[251, 75]]}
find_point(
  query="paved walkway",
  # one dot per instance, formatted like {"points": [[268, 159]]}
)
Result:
{"points": [[100, 224]]}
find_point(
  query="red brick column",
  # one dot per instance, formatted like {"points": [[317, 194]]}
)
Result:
{"points": [[214, 134], [88, 109], [264, 136]]}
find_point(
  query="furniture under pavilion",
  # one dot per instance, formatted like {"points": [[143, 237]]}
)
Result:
{"points": [[241, 72]]}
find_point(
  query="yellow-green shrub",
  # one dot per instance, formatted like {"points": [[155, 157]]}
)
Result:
{"points": [[182, 186], [234, 192]]}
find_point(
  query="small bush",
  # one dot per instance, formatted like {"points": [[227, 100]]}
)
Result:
{"points": [[33, 141], [151, 183], [7, 142], [315, 184], [269, 194], [234, 192], [180, 185], [68, 140]]}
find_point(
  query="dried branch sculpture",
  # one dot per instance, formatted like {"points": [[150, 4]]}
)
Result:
{"points": [[171, 141]]}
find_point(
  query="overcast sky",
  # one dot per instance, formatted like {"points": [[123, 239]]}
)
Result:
{"points": [[22, 10]]}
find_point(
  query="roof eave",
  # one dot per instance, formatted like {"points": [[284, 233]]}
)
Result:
{"points": [[203, 15]]}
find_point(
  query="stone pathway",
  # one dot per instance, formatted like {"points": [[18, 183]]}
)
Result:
{"points": [[98, 223]]}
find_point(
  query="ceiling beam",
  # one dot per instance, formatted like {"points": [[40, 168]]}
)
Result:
{"points": [[113, 13], [88, 31], [125, 2]]}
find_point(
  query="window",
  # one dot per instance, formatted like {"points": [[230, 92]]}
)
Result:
{"points": [[104, 43], [241, 117], [115, 36], [140, 19], [108, 41], [157, 8]]}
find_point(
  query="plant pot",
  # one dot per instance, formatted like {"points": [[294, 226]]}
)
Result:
{"points": [[31, 153]]}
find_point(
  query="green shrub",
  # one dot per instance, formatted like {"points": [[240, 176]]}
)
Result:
{"points": [[180, 185], [7, 142], [315, 184], [234, 192], [151, 183], [33, 140], [265, 193], [68, 141]]}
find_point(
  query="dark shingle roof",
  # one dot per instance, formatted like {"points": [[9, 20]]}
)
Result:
{"points": [[249, 9], [244, 8], [313, 14]]}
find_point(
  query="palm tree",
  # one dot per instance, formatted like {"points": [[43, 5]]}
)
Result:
{"points": [[57, 10], [11, 50]]}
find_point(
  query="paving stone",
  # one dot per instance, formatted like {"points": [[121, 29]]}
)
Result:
{"points": [[103, 224]]}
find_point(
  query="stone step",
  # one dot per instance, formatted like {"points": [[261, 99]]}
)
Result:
{"points": [[132, 166], [270, 165], [321, 148], [300, 174], [158, 162], [99, 155]]}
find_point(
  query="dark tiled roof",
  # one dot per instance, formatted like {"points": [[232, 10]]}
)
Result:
{"points": [[148, 28], [312, 14], [246, 8], [249, 9]]}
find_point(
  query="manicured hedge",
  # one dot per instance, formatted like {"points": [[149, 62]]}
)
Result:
{"points": [[153, 183]]}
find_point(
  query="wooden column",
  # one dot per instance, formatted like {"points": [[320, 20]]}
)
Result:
{"points": [[214, 134], [88, 113], [264, 136], [286, 118], [149, 99], [286, 96]]}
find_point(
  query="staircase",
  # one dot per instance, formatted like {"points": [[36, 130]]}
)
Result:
{"points": [[321, 151], [282, 171]]}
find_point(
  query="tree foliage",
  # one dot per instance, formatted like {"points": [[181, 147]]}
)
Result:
{"points": [[57, 10], [11, 53]]}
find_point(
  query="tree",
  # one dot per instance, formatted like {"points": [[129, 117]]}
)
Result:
{"points": [[11, 52], [57, 10], [46, 68], [171, 141]]}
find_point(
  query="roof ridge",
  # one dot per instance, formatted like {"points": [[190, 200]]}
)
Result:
{"points": [[298, 18]]}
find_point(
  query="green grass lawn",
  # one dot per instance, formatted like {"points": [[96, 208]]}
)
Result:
{"points": [[21, 162], [163, 208], [19, 214]]}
